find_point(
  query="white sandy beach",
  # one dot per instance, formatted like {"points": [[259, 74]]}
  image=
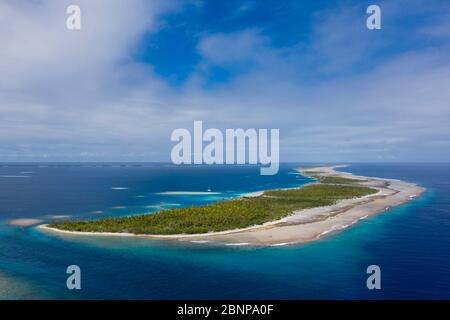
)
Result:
{"points": [[304, 225]]}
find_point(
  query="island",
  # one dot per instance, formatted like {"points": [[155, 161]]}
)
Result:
{"points": [[332, 201]]}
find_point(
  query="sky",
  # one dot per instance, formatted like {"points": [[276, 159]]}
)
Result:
{"points": [[139, 69]]}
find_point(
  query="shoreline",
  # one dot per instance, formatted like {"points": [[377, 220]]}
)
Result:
{"points": [[300, 226]]}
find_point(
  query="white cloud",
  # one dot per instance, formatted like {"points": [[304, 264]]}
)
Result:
{"points": [[76, 89], [67, 95], [230, 48]]}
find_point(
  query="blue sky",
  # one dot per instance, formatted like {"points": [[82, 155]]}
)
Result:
{"points": [[285, 23], [115, 90]]}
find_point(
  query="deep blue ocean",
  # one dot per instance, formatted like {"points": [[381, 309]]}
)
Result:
{"points": [[410, 243]]}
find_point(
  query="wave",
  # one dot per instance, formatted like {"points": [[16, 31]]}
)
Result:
{"points": [[162, 205], [15, 176], [153, 206], [281, 244], [168, 204], [338, 227], [187, 193], [333, 228], [237, 244]]}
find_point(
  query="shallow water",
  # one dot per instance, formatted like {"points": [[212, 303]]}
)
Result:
{"points": [[410, 243]]}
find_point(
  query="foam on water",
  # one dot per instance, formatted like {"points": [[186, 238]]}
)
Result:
{"points": [[15, 176], [188, 193]]}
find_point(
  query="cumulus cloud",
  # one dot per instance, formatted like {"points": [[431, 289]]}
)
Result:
{"points": [[230, 48], [67, 95], [63, 90]]}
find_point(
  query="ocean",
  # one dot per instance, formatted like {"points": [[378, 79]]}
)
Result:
{"points": [[410, 243]]}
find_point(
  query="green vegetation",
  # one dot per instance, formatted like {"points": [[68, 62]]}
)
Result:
{"points": [[311, 173], [338, 180], [225, 215]]}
